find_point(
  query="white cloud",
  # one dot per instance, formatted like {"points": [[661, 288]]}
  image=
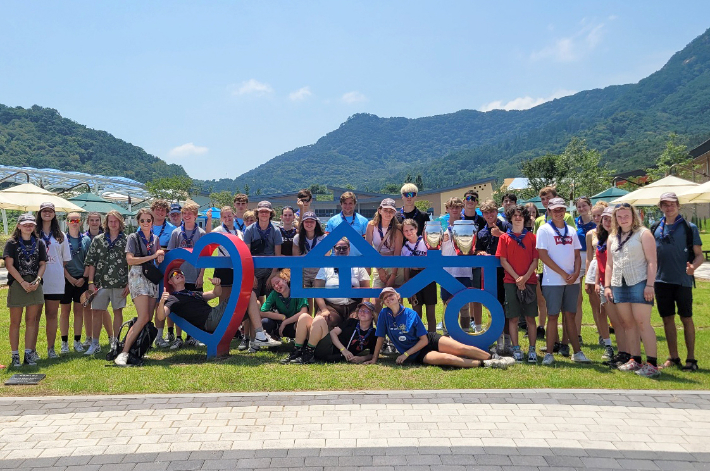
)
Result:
{"points": [[353, 97], [523, 103], [252, 87], [300, 94], [187, 150], [574, 47]]}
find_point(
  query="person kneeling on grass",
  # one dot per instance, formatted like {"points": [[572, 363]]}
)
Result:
{"points": [[415, 345], [349, 342]]}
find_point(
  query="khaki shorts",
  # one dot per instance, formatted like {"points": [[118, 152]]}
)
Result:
{"points": [[109, 295]]}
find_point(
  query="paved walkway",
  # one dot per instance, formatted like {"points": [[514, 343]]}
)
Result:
{"points": [[385, 431]]}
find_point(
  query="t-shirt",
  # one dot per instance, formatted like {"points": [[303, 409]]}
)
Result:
{"points": [[332, 280], [191, 306], [57, 254], [188, 240], [223, 230], [78, 247], [109, 261], [356, 340], [164, 231], [544, 219], [518, 257], [239, 224], [288, 307], [287, 237], [486, 241], [673, 254], [308, 245], [272, 238], [582, 230], [560, 253], [356, 221], [417, 215], [403, 329], [26, 266], [477, 219], [601, 255]]}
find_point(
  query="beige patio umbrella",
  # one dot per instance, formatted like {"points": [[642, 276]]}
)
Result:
{"points": [[695, 194], [28, 197], [650, 194]]}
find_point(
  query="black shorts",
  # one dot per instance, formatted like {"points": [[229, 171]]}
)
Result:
{"points": [[432, 346], [427, 295], [53, 297], [225, 275], [261, 276], [73, 293], [669, 295]]}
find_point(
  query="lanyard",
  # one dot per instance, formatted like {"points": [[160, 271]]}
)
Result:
{"points": [[148, 243], [563, 237]]}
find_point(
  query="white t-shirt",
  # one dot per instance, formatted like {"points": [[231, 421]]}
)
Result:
{"points": [[332, 281], [561, 254], [57, 254]]}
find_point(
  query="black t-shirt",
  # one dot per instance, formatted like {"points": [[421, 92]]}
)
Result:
{"points": [[417, 215], [27, 263], [357, 342], [477, 219], [287, 236], [191, 306], [486, 241]]}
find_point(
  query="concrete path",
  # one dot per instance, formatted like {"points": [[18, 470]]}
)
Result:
{"points": [[387, 431]]}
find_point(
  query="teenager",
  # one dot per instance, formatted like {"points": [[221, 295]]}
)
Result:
{"points": [[409, 210], [304, 197], [590, 269], [108, 278], [509, 201], [142, 246], [280, 311], [288, 230], [58, 254], [463, 274], [163, 230], [249, 219], [175, 214], [385, 235], [354, 341], [264, 239], [630, 271], [241, 201], [677, 261], [532, 211], [558, 248], [470, 203], [417, 346], [226, 275], [414, 246], [518, 256], [310, 233], [348, 215], [25, 258], [75, 284], [95, 227], [585, 223]]}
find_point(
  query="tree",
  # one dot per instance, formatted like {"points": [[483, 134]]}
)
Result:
{"points": [[390, 189], [246, 189], [317, 189], [350, 186], [541, 172], [258, 192], [408, 178], [419, 182], [222, 198], [673, 159], [177, 188], [423, 205]]}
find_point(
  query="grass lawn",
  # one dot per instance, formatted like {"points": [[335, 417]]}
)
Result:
{"points": [[187, 370]]}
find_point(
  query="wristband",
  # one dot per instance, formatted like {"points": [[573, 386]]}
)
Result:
{"points": [[341, 350], [649, 286], [406, 354], [91, 282]]}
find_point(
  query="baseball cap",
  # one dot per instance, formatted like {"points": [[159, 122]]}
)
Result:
{"points": [[310, 215], [388, 203], [387, 291], [46, 205], [555, 203], [608, 211], [26, 218], [669, 196], [264, 205], [368, 305], [175, 208]]}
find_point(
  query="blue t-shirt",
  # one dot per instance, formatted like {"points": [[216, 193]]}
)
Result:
{"points": [[404, 329], [672, 254], [582, 230], [79, 247], [163, 232], [356, 221]]}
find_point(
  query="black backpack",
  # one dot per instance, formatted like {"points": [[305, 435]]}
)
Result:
{"points": [[140, 347]]}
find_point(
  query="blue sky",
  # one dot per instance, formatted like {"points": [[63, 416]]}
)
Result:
{"points": [[221, 87]]}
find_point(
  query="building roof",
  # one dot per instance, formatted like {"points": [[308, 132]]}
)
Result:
{"points": [[702, 149]]}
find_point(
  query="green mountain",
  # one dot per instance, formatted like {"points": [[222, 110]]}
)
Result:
{"points": [[40, 137], [627, 123]]}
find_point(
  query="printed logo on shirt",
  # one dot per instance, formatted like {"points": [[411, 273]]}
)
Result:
{"points": [[562, 240]]}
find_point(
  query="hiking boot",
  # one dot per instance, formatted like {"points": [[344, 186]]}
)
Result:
{"points": [[631, 365], [267, 341], [295, 353], [307, 357], [93, 349], [580, 357], [51, 354], [78, 347], [29, 360], [532, 356], [608, 353], [548, 359], [121, 359], [244, 344], [648, 371], [177, 344], [161, 343], [193, 342], [65, 348], [564, 350], [15, 362]]}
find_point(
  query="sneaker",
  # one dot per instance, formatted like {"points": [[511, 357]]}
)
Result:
{"points": [[29, 360], [580, 357], [532, 356], [15, 362], [389, 348], [548, 359], [35, 356], [631, 365], [87, 343], [556, 347], [540, 332], [517, 355], [112, 343], [65, 348], [193, 342], [93, 349], [121, 359], [581, 341], [648, 371], [161, 343], [244, 344], [440, 326], [618, 360], [295, 353], [171, 337], [253, 348], [495, 363], [267, 341], [78, 347], [608, 353], [564, 350], [52, 355], [177, 344], [307, 357]]}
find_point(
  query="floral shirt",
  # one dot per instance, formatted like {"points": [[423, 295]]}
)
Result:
{"points": [[110, 262]]}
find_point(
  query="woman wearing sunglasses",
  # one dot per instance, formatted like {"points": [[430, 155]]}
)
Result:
{"points": [[142, 246], [385, 234], [75, 283]]}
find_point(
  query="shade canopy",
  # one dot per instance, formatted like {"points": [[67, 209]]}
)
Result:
{"points": [[216, 213], [695, 194], [94, 203], [28, 197], [650, 195], [608, 195]]}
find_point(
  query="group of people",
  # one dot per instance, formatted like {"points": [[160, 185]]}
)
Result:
{"points": [[626, 267]]}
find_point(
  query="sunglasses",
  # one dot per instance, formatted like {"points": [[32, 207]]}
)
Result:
{"points": [[177, 273], [409, 194], [471, 198], [622, 205], [141, 221], [74, 221], [341, 248]]}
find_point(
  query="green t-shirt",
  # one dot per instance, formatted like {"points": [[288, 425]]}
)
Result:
{"points": [[543, 219], [274, 302]]}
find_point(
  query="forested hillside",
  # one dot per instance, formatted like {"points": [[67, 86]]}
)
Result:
{"points": [[40, 137]]}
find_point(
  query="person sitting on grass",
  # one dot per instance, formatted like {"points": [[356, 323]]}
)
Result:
{"points": [[349, 342], [280, 311], [415, 345]]}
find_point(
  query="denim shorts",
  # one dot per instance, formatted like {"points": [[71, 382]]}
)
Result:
{"points": [[630, 294]]}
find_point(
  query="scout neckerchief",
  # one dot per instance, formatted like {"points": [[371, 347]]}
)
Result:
{"points": [[74, 251], [668, 238], [229, 231], [414, 251], [107, 237], [162, 229], [563, 237], [618, 239], [148, 243], [27, 253], [517, 238], [345, 219], [383, 241], [88, 233], [264, 235], [46, 238], [361, 337], [288, 235], [188, 240], [585, 227], [238, 224], [313, 243]]}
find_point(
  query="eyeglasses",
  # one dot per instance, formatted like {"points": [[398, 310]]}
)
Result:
{"points": [[409, 194], [176, 273], [74, 221], [141, 221], [341, 248], [471, 198]]}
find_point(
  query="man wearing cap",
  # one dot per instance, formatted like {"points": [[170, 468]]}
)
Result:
{"points": [[263, 238], [175, 214], [558, 247], [679, 252]]}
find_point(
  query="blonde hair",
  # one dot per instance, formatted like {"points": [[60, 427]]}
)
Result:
{"points": [[600, 205], [117, 215], [407, 187], [454, 201], [249, 215], [192, 207], [227, 208], [489, 205], [636, 223]]}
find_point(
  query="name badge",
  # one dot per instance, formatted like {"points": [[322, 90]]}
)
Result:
{"points": [[402, 338]]}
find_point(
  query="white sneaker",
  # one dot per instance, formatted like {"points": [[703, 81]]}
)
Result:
{"points": [[579, 357], [548, 359], [65, 348], [267, 341], [87, 343], [161, 343], [93, 349], [78, 347], [193, 342], [121, 359], [51, 354], [112, 343]]}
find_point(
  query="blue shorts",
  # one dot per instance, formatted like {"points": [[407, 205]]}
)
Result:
{"points": [[630, 294], [445, 295]]}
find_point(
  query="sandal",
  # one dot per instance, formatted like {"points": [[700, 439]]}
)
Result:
{"points": [[671, 362], [690, 365]]}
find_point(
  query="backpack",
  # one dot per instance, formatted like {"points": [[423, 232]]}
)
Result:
{"points": [[140, 347], [688, 241]]}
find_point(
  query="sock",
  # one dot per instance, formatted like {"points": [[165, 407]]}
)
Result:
{"points": [[298, 345], [27, 351], [516, 347], [312, 347], [65, 338], [15, 352], [651, 361], [95, 342], [607, 342], [160, 333], [171, 330], [637, 358], [531, 348], [478, 327], [88, 338], [77, 338], [501, 339], [260, 335]]}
